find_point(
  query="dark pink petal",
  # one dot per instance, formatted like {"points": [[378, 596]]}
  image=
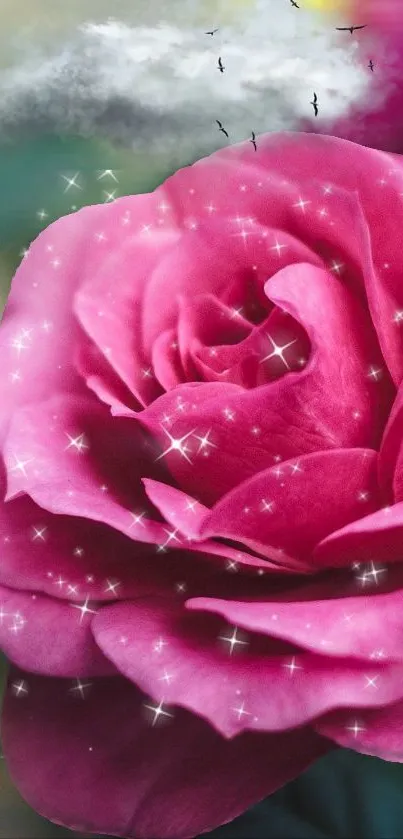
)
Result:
{"points": [[251, 429], [211, 682], [46, 636], [187, 516], [69, 557], [391, 453], [296, 504], [375, 538], [366, 627], [65, 753], [371, 731]]}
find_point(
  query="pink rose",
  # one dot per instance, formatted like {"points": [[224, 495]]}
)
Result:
{"points": [[202, 534]]}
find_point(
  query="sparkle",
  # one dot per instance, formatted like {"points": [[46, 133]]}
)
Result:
{"points": [[278, 351], [292, 666], [231, 565], [78, 551], [229, 414], [137, 519], [109, 196], [295, 467], [180, 587], [373, 573], [15, 376], [267, 506], [80, 687], [233, 640], [107, 173], [77, 443], [371, 683], [166, 677], [190, 505], [375, 373], [277, 247], [19, 687], [42, 214], [336, 267], [356, 728], [176, 444], [71, 182], [301, 204], [204, 441], [20, 465], [159, 645], [39, 533], [111, 586], [84, 609], [241, 711], [158, 711], [398, 316]]}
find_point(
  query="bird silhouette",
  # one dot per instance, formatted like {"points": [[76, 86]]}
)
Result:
{"points": [[220, 128], [211, 32], [220, 66], [350, 28], [253, 141], [293, 3], [314, 103], [371, 66]]}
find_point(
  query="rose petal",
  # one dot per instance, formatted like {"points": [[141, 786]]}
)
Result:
{"points": [[78, 460], [375, 538], [250, 429], [370, 731], [47, 636], [281, 506], [378, 180], [365, 627], [211, 682], [147, 781]]}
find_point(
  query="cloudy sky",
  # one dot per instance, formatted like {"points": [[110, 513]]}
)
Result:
{"points": [[149, 79]]}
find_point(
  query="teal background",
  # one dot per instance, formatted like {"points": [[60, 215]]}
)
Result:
{"points": [[343, 794]]}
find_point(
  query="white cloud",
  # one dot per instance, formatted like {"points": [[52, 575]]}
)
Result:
{"points": [[157, 87]]}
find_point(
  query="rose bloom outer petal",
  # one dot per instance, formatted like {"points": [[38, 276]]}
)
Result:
{"points": [[65, 752]]}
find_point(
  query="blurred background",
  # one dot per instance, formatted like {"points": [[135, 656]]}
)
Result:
{"points": [[102, 99]]}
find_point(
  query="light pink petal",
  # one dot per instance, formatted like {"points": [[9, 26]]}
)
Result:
{"points": [[78, 460], [375, 538], [296, 504], [46, 636], [378, 180], [38, 330], [366, 626], [209, 681], [111, 305], [147, 781], [251, 429]]}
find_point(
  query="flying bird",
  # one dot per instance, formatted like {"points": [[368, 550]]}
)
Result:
{"points": [[293, 3], [350, 28], [220, 66], [220, 128], [211, 32], [314, 103], [371, 65], [253, 141]]}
